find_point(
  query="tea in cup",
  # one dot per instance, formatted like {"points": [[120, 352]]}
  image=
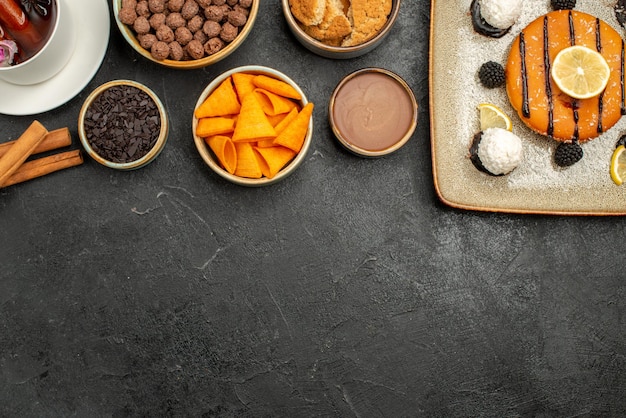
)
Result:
{"points": [[37, 39]]}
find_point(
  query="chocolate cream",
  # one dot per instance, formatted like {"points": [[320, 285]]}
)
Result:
{"points": [[372, 111]]}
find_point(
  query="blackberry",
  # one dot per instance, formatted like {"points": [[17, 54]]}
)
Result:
{"points": [[491, 75], [563, 4], [621, 141], [568, 153]]}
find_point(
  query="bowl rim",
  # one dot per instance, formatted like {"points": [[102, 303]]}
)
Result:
{"points": [[341, 50], [361, 151], [207, 154], [130, 37], [158, 145]]}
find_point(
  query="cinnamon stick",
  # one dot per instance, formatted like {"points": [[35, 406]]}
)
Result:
{"points": [[45, 165], [21, 150], [58, 138]]}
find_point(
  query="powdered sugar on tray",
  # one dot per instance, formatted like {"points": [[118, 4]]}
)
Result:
{"points": [[537, 169]]}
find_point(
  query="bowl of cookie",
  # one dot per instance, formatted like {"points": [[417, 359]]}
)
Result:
{"points": [[340, 29], [185, 34]]}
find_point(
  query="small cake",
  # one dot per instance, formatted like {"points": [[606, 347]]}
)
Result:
{"points": [[496, 151], [541, 105], [495, 18], [500, 14]]}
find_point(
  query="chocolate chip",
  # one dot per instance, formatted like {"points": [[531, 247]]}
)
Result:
{"points": [[122, 124]]}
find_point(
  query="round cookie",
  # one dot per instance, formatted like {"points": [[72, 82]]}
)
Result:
{"points": [[541, 105]]}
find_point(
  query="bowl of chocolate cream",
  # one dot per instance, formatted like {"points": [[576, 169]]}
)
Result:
{"points": [[372, 112]]}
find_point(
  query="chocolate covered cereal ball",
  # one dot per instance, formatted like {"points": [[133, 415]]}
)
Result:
{"points": [[160, 50], [229, 32], [203, 3], [195, 49], [195, 23], [147, 40], [175, 20], [190, 9], [183, 36], [214, 13], [211, 28], [157, 20], [176, 51], [236, 18], [201, 37], [232, 3], [213, 45], [245, 3], [129, 3], [143, 9], [156, 6], [165, 33], [141, 25], [242, 10], [175, 5], [127, 15], [218, 2]]}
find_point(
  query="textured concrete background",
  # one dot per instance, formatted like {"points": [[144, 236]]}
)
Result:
{"points": [[345, 290]]}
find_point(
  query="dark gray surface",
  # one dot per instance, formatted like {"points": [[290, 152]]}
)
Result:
{"points": [[345, 290]]}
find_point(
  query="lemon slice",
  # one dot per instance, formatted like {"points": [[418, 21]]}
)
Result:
{"points": [[618, 165], [580, 72], [491, 116]]}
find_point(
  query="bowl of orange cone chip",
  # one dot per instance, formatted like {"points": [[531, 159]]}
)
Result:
{"points": [[253, 125]]}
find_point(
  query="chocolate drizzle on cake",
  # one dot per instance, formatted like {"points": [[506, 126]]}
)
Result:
{"points": [[481, 26], [601, 98], [572, 32], [621, 80], [575, 106], [522, 52], [546, 63]]}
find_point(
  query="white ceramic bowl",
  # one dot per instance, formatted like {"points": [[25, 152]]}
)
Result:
{"points": [[52, 57], [154, 151], [207, 154], [131, 38], [338, 52]]}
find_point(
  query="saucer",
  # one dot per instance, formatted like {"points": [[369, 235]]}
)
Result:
{"points": [[93, 28]]}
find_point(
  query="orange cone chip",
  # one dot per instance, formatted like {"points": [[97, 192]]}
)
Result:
{"points": [[274, 104], [286, 121], [247, 161], [274, 159], [293, 135], [275, 119], [276, 86], [221, 102], [243, 84], [252, 123], [280, 126], [214, 126], [224, 150]]}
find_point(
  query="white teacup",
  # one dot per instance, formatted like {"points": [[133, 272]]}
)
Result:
{"points": [[51, 58]]}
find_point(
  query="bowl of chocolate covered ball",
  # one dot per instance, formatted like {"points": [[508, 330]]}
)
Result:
{"points": [[185, 34], [123, 125]]}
